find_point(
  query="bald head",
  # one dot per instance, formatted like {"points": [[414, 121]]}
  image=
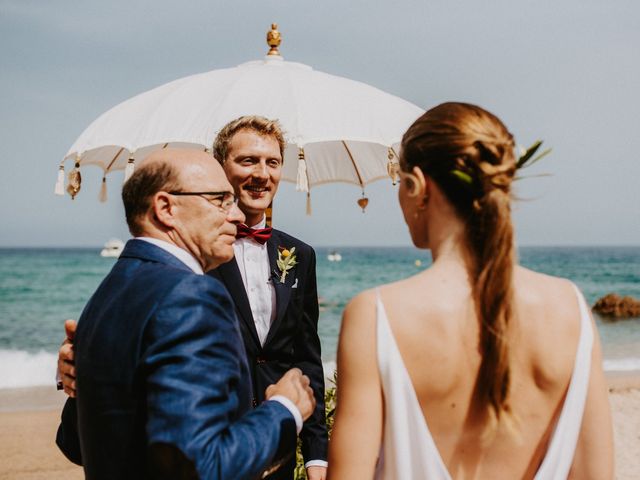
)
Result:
{"points": [[180, 158], [163, 170]]}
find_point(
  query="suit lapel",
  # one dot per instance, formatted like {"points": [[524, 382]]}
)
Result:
{"points": [[283, 290], [230, 276]]}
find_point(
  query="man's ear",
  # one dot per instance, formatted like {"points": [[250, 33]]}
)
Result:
{"points": [[163, 209]]}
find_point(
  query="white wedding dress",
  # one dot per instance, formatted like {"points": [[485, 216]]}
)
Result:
{"points": [[408, 451]]}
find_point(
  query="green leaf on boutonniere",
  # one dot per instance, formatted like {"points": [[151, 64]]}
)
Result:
{"points": [[286, 261]]}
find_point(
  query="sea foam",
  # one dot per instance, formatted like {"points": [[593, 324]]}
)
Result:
{"points": [[19, 368]]}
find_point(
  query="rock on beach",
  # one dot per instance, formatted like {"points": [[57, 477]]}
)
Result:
{"points": [[613, 305]]}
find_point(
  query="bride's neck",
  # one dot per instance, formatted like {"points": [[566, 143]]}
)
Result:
{"points": [[447, 243]]}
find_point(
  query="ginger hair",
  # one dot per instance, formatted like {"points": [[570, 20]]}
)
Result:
{"points": [[469, 153]]}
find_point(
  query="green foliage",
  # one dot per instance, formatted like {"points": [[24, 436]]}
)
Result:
{"points": [[286, 261], [527, 158], [330, 410]]}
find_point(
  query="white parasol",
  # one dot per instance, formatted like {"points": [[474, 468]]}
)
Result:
{"points": [[337, 130]]}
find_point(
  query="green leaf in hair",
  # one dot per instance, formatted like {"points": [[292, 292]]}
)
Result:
{"points": [[462, 176]]}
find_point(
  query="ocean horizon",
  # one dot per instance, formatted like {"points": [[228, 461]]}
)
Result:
{"points": [[40, 287]]}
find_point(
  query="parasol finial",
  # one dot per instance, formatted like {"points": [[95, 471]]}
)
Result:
{"points": [[274, 39]]}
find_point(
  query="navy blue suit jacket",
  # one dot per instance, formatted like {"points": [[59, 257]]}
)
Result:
{"points": [[163, 386]]}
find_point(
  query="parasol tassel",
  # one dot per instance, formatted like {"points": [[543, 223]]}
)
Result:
{"points": [[128, 171], [75, 181], [393, 167], [102, 197], [302, 180], [59, 189], [308, 203]]}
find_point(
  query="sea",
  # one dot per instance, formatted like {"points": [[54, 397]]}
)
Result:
{"points": [[40, 288]]}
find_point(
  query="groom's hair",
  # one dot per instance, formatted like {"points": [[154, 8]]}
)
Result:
{"points": [[138, 191], [254, 123]]}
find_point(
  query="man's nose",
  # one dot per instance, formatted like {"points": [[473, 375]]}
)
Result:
{"points": [[260, 170], [235, 215]]}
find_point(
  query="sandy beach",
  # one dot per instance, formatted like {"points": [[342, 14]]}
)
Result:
{"points": [[29, 419]]}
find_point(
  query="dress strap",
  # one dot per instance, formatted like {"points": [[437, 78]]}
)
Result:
{"points": [[559, 457]]}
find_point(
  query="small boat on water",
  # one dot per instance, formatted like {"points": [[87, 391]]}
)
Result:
{"points": [[334, 257], [113, 248]]}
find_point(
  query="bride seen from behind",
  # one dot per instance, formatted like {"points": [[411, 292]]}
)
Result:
{"points": [[475, 367]]}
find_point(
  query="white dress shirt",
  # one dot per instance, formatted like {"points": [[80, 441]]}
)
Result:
{"points": [[253, 261]]}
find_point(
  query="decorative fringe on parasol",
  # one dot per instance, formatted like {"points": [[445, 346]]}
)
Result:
{"points": [[393, 167], [75, 180], [302, 180], [308, 203], [102, 196], [59, 188], [129, 169]]}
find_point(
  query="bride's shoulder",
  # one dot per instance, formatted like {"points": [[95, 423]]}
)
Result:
{"points": [[537, 283], [548, 296], [363, 302]]}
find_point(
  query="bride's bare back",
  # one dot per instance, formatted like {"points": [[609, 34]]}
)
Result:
{"points": [[434, 324], [433, 321]]}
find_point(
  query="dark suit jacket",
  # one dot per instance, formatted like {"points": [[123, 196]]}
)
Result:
{"points": [[292, 340], [163, 385]]}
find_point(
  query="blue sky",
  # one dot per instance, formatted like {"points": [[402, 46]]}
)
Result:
{"points": [[566, 72]]}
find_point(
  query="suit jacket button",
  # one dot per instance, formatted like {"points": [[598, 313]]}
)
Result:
{"points": [[255, 402], [261, 360]]}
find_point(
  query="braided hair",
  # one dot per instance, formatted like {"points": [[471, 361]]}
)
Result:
{"points": [[469, 153]]}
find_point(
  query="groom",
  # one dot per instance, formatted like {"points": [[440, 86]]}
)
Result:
{"points": [[162, 380], [278, 310]]}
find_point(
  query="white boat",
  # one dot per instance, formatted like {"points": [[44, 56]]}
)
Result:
{"points": [[334, 257], [113, 248]]}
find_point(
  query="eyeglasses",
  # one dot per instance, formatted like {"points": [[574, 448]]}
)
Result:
{"points": [[223, 200]]}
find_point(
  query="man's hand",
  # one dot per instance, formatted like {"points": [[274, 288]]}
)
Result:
{"points": [[295, 386], [316, 472], [66, 365]]}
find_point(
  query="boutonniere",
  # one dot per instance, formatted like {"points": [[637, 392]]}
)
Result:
{"points": [[286, 261]]}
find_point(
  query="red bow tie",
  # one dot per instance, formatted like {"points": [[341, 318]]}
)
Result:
{"points": [[260, 235]]}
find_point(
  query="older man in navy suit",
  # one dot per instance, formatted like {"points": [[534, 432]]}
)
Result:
{"points": [[162, 382]]}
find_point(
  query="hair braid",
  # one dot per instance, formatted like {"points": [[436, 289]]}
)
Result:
{"points": [[463, 138]]}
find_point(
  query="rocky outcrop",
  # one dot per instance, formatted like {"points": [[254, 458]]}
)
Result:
{"points": [[615, 306]]}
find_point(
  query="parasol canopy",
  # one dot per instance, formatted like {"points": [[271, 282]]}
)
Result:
{"points": [[337, 129]]}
